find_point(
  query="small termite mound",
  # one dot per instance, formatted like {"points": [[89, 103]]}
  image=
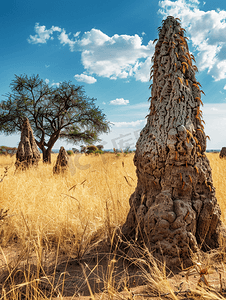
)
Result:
{"points": [[27, 154], [62, 162], [174, 210], [223, 153]]}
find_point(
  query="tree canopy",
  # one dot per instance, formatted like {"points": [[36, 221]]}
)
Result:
{"points": [[63, 111]]}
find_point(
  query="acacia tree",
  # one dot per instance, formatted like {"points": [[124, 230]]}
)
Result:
{"points": [[53, 112]]}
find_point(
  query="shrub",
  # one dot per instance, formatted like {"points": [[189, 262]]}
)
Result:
{"points": [[100, 147], [126, 151], [83, 149], [91, 149], [98, 152], [7, 150], [75, 150], [70, 152]]}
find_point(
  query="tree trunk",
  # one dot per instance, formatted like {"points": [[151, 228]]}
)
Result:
{"points": [[46, 152], [174, 209], [46, 155]]}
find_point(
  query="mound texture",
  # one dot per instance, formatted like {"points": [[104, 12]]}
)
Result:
{"points": [[174, 209], [223, 153], [62, 161], [27, 153]]}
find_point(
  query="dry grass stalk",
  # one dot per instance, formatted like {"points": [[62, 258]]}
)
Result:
{"points": [[67, 215]]}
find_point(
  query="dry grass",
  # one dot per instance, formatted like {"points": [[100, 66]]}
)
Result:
{"points": [[219, 180], [68, 215], [63, 207]]}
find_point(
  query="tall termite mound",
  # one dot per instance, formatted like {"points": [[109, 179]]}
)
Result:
{"points": [[174, 209], [62, 162], [27, 153]]}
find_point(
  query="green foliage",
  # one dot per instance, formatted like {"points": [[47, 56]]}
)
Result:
{"points": [[100, 147], [4, 150], [70, 152], [91, 149], [126, 151], [99, 151], [53, 112]]}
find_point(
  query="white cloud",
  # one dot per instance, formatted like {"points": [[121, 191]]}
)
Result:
{"points": [[77, 33], [119, 101], [43, 34], [119, 56], [64, 39], [142, 70], [214, 116], [47, 81], [85, 78], [55, 83], [94, 38], [207, 31], [114, 57], [129, 124]]}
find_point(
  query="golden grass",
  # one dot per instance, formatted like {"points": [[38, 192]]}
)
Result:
{"points": [[70, 212], [219, 180], [64, 206]]}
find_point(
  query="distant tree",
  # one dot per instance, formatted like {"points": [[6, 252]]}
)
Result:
{"points": [[53, 112], [100, 147]]}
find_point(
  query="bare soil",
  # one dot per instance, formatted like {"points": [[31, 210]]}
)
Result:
{"points": [[103, 274]]}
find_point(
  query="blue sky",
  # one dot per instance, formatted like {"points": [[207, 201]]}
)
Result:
{"points": [[107, 46]]}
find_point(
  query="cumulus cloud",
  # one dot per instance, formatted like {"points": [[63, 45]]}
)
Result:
{"points": [[129, 124], [115, 57], [47, 81], [43, 34], [85, 78], [119, 101], [65, 40], [207, 32], [142, 70], [55, 83], [118, 56]]}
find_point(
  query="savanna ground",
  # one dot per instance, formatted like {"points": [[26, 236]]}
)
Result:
{"points": [[57, 239]]}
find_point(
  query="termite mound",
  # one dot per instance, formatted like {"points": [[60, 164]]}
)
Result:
{"points": [[174, 210]]}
